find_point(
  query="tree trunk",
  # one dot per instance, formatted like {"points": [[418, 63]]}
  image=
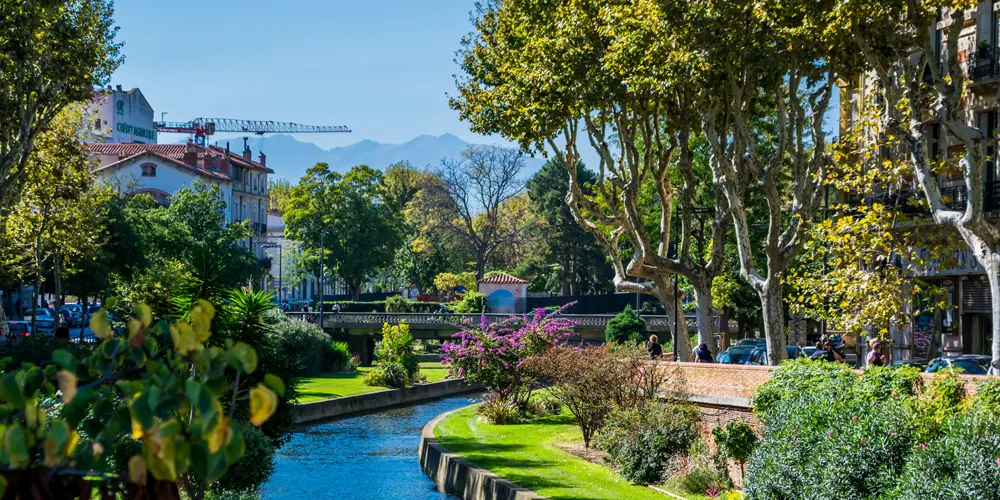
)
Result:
{"points": [[57, 284], [706, 327], [3, 316], [83, 314], [37, 289], [682, 341], [724, 329], [992, 264], [480, 267], [355, 291], [774, 321]]}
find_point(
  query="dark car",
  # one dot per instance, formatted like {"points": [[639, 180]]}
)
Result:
{"points": [[18, 328], [971, 364], [752, 343], [736, 355], [759, 355]]}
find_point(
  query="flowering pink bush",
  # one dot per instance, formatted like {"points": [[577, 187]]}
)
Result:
{"points": [[494, 355]]}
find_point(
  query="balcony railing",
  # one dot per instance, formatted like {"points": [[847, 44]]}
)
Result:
{"points": [[984, 64]]}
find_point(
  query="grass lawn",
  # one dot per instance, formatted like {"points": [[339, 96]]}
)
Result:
{"points": [[527, 455], [336, 385]]}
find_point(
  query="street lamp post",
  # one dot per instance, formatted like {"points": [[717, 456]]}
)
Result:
{"points": [[322, 257]]}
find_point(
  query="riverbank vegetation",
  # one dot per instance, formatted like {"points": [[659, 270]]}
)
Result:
{"points": [[891, 435]]}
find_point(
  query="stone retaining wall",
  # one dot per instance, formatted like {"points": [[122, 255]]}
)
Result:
{"points": [[337, 407], [458, 476]]}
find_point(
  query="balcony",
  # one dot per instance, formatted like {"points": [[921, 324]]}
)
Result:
{"points": [[956, 197], [984, 66]]}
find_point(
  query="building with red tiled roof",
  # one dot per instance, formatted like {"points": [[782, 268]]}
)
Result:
{"points": [[505, 293], [160, 170]]}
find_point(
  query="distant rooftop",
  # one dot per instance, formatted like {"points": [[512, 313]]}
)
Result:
{"points": [[502, 279]]}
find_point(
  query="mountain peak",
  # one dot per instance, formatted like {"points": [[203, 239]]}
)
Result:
{"points": [[290, 157]]}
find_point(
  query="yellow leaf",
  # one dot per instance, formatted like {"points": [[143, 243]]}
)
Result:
{"points": [[99, 324], [145, 314], [217, 437], [67, 385], [263, 403], [184, 338], [137, 470]]}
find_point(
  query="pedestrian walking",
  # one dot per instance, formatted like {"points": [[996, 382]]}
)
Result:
{"points": [[702, 354], [654, 348], [876, 357]]}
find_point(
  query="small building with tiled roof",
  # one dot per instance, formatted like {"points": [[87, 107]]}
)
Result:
{"points": [[505, 293]]}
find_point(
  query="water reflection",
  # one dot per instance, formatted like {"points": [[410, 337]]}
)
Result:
{"points": [[369, 456]]}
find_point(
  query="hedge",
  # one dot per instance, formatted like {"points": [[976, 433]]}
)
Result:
{"points": [[379, 306]]}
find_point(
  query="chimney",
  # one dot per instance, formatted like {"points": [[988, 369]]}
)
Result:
{"points": [[191, 154], [224, 166], [262, 159], [119, 87], [247, 155]]}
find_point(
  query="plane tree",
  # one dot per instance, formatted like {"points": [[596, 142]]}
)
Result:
{"points": [[601, 74]]}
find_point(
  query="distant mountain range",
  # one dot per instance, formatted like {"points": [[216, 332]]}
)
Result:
{"points": [[290, 158]]}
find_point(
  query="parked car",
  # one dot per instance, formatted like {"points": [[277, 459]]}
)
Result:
{"points": [[971, 364], [809, 350], [75, 313], [19, 328], [44, 320], [752, 342], [759, 355], [736, 355]]}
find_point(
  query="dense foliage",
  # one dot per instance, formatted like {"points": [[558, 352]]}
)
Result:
{"points": [[643, 443], [884, 429], [139, 382], [494, 354], [626, 326], [396, 363]]}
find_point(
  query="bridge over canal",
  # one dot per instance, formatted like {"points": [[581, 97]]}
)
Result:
{"points": [[363, 329]]}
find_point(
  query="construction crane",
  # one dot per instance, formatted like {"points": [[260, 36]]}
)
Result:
{"points": [[201, 128]]}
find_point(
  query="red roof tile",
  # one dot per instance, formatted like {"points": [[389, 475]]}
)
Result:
{"points": [[175, 151], [206, 173], [502, 279]]}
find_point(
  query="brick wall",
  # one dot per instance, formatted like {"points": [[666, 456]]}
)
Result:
{"points": [[724, 385]]}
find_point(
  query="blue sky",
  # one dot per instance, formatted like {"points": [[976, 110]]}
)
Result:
{"points": [[381, 67]]}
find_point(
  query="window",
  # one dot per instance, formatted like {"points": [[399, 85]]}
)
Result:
{"points": [[148, 170]]}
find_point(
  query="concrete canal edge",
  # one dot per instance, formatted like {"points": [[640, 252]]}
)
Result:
{"points": [[458, 476], [338, 407]]}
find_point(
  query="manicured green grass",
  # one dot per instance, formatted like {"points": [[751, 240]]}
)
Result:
{"points": [[435, 372], [527, 455], [334, 385], [337, 385]]}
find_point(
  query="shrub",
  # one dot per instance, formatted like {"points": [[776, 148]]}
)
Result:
{"points": [[643, 444], [939, 401], [397, 304], [961, 464], [494, 355], [625, 326], [545, 404], [472, 303], [337, 358], [702, 480], [252, 471], [736, 441], [395, 361], [988, 396], [305, 344], [37, 350], [583, 381], [652, 307], [826, 436], [498, 410]]}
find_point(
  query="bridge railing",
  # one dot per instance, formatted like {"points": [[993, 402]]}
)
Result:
{"points": [[439, 320]]}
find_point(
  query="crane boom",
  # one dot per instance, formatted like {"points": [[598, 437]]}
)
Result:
{"points": [[202, 127]]}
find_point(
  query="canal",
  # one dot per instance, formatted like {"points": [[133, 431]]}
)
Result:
{"points": [[367, 456]]}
